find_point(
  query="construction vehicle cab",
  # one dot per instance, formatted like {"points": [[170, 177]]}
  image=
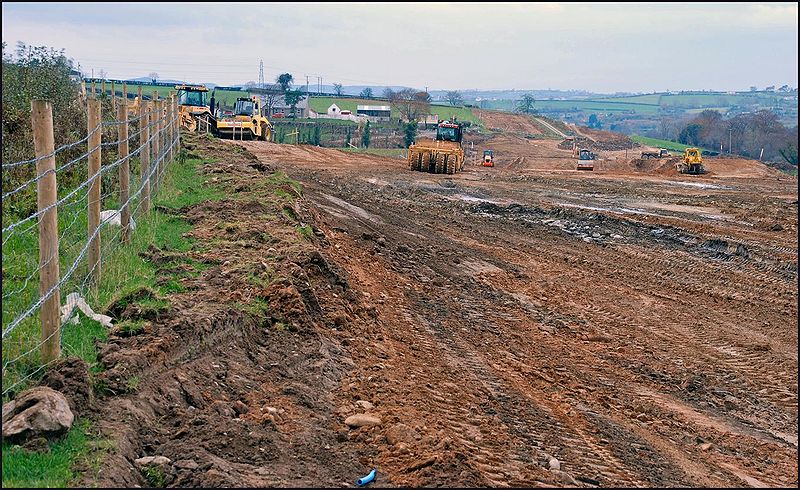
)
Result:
{"points": [[488, 158], [443, 155], [585, 160], [692, 162], [193, 106], [246, 122], [661, 153]]}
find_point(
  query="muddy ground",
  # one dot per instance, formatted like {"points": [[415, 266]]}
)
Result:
{"points": [[518, 325]]}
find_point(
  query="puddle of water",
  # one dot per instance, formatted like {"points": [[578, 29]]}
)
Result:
{"points": [[698, 184], [465, 197]]}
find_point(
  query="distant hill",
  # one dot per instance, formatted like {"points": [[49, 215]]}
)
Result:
{"points": [[148, 79]]}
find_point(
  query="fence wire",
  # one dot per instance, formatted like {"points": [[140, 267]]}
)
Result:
{"points": [[21, 298]]}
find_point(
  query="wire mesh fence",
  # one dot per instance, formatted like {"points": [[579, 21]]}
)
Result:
{"points": [[58, 247]]}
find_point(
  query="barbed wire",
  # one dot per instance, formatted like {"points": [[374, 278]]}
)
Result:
{"points": [[53, 153], [86, 182], [145, 181]]}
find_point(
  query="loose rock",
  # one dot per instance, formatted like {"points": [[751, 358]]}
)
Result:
{"points": [[362, 420], [38, 411]]}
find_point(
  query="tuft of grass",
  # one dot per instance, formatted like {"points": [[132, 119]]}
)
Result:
{"points": [[154, 476], [305, 231], [55, 467]]}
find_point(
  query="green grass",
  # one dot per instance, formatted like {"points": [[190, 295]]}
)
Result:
{"points": [[657, 143], [225, 97], [56, 467], [321, 104], [123, 270]]}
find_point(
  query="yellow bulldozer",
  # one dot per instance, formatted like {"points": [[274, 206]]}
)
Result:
{"points": [[247, 121], [444, 155], [692, 162], [193, 107]]}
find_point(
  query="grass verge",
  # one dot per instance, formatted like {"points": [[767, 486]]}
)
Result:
{"points": [[125, 268]]}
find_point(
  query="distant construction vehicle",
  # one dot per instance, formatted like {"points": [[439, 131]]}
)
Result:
{"points": [[692, 162], [585, 160], [488, 158], [661, 153], [193, 108], [246, 122], [444, 155]]}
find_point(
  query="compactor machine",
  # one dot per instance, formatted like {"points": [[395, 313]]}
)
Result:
{"points": [[193, 108], [692, 162], [444, 155], [488, 158], [247, 121], [585, 160]]}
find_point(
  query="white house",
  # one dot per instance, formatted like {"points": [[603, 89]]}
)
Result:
{"points": [[334, 110]]}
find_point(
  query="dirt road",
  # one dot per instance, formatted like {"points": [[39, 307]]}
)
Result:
{"points": [[520, 325], [618, 329]]}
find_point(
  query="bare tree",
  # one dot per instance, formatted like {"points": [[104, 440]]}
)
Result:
{"points": [[270, 99], [410, 103], [251, 84], [102, 74], [454, 97], [337, 87], [153, 76], [366, 93]]}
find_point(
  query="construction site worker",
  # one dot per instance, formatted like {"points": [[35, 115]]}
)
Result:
{"points": [[212, 101]]}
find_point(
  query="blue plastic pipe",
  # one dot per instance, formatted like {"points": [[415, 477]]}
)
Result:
{"points": [[363, 481]]}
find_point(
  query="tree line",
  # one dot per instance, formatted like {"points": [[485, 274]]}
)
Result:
{"points": [[744, 134]]}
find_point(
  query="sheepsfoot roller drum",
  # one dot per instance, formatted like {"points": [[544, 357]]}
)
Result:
{"points": [[444, 155]]}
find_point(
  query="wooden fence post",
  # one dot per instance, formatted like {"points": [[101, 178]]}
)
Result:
{"points": [[125, 91], [103, 86], [173, 115], [94, 189], [139, 95], [113, 99], [47, 194], [124, 172], [94, 93], [144, 153], [156, 143]]}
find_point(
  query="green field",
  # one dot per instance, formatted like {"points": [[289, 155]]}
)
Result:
{"points": [[657, 143], [321, 104], [225, 97]]}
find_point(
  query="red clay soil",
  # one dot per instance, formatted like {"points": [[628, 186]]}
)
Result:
{"points": [[522, 325], [512, 123]]}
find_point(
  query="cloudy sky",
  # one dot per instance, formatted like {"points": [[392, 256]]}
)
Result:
{"points": [[597, 47]]}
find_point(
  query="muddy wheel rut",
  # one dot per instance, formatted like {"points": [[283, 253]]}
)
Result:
{"points": [[618, 382], [502, 337]]}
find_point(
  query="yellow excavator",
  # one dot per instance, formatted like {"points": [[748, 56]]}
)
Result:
{"points": [[193, 107], [444, 155], [692, 162], [247, 121]]}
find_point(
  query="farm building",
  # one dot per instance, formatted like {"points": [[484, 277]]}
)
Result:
{"points": [[375, 113], [334, 110]]}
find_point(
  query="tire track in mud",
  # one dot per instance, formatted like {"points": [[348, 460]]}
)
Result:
{"points": [[670, 318]]}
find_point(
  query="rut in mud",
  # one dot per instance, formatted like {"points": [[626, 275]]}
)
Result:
{"points": [[509, 326]]}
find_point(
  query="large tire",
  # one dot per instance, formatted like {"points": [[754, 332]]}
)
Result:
{"points": [[427, 164], [440, 163]]}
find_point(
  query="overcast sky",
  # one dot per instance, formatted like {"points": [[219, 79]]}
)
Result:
{"points": [[598, 47]]}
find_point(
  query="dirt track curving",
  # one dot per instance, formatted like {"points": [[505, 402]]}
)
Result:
{"points": [[638, 327]]}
